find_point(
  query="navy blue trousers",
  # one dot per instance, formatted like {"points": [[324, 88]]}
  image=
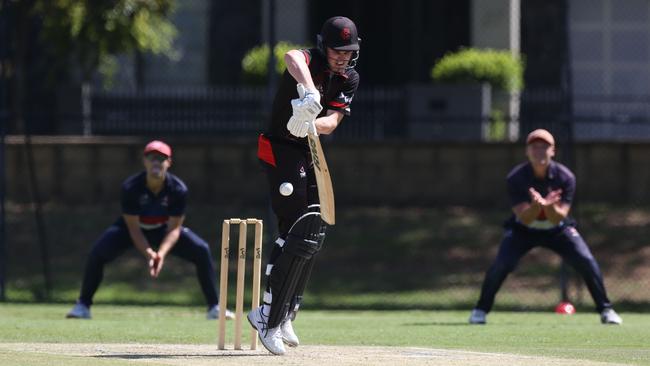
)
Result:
{"points": [[116, 240], [565, 241]]}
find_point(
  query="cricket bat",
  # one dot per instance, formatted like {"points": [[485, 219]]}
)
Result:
{"points": [[322, 173], [323, 180]]}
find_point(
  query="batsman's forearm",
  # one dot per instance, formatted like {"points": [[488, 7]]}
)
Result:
{"points": [[326, 125], [297, 67]]}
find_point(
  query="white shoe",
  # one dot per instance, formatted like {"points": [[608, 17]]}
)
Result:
{"points": [[270, 338], [609, 316], [79, 311], [477, 316], [288, 335], [213, 313]]}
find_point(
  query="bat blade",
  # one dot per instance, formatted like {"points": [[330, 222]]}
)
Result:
{"points": [[323, 180]]}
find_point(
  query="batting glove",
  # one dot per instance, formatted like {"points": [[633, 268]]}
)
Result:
{"points": [[308, 104], [298, 126]]}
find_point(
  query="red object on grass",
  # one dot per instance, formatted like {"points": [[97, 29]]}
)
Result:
{"points": [[565, 308]]}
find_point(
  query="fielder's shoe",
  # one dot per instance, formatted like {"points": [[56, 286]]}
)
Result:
{"points": [[609, 316], [79, 311], [288, 335], [270, 338], [213, 313], [477, 316]]}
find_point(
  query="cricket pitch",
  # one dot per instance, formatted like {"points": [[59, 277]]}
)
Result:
{"points": [[208, 354]]}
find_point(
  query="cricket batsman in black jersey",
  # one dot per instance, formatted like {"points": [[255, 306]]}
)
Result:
{"points": [[329, 80]]}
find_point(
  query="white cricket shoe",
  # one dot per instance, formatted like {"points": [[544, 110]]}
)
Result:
{"points": [[288, 335], [477, 316], [79, 311], [609, 316], [270, 338], [213, 313]]}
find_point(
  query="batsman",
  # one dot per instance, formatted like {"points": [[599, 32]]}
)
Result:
{"points": [[313, 96]]}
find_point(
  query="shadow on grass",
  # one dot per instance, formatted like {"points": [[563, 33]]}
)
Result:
{"points": [[441, 252], [625, 307], [437, 324], [182, 355]]}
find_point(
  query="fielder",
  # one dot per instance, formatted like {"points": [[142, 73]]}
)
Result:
{"points": [[541, 192], [328, 75], [153, 211]]}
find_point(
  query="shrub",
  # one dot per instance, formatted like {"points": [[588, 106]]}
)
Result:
{"points": [[256, 61], [500, 69]]}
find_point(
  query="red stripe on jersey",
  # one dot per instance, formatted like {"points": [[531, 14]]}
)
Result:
{"points": [[337, 104], [151, 220], [265, 150], [306, 56]]}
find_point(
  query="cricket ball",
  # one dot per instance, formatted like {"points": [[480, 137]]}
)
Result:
{"points": [[565, 308], [286, 189]]}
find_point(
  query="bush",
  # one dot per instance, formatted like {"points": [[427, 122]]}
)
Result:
{"points": [[500, 69], [256, 61]]}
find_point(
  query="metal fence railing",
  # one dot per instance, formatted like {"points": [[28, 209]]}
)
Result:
{"points": [[377, 114], [223, 111]]}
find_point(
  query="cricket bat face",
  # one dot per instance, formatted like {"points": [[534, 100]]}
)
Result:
{"points": [[323, 180]]}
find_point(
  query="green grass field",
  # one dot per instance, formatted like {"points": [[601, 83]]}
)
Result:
{"points": [[576, 337]]}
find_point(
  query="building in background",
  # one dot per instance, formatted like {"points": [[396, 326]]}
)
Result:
{"points": [[586, 62]]}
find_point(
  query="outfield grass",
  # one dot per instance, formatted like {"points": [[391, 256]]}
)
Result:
{"points": [[423, 258], [580, 336]]}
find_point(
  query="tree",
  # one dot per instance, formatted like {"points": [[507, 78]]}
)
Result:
{"points": [[87, 35], [94, 31]]}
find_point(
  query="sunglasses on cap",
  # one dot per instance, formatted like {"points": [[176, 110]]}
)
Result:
{"points": [[156, 157]]}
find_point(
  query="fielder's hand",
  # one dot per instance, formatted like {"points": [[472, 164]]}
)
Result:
{"points": [[156, 265]]}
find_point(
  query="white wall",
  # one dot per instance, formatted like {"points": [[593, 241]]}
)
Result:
{"points": [[610, 60]]}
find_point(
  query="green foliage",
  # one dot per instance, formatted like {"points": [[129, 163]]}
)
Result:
{"points": [[94, 32], [256, 61], [500, 69], [498, 126]]}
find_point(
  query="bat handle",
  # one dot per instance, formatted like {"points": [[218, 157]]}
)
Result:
{"points": [[301, 90]]}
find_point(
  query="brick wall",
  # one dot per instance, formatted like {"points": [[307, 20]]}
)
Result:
{"points": [[73, 170]]}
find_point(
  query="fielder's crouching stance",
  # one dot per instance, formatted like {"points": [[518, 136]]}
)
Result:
{"points": [[541, 193], [329, 79]]}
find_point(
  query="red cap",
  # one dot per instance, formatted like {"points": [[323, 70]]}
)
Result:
{"points": [[159, 147], [540, 134]]}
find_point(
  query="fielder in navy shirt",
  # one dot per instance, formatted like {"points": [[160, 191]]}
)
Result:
{"points": [[541, 192], [153, 211]]}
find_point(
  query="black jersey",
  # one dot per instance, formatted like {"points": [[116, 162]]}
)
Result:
{"points": [[336, 90]]}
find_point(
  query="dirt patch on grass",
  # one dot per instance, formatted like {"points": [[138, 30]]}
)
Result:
{"points": [[184, 354]]}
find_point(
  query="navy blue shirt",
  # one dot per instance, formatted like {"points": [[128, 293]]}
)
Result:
{"points": [[153, 210], [521, 178]]}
